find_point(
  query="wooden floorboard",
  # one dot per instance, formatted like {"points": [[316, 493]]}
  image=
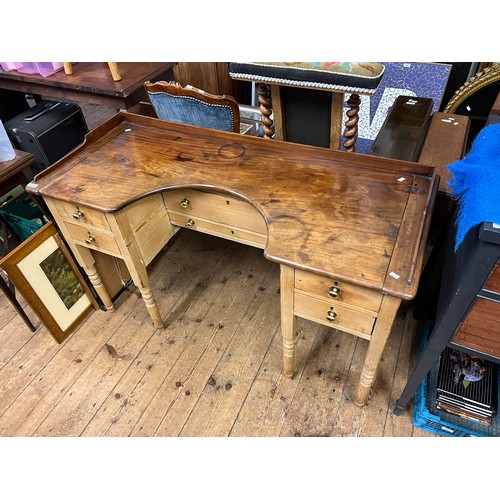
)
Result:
{"points": [[214, 370]]}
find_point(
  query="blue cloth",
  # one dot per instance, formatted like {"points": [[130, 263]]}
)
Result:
{"points": [[475, 182]]}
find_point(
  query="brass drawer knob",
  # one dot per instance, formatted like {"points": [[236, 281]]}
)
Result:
{"points": [[331, 314], [334, 290], [78, 214], [185, 203], [190, 223], [89, 240]]}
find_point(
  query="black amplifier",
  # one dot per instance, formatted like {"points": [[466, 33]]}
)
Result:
{"points": [[49, 130]]}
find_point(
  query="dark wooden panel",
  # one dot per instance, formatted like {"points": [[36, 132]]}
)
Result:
{"points": [[213, 77], [444, 144], [480, 331], [404, 129]]}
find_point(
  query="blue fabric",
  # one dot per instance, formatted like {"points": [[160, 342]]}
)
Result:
{"points": [[193, 112], [475, 182]]}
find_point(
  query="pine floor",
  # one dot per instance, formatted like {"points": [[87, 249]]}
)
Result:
{"points": [[214, 370]]}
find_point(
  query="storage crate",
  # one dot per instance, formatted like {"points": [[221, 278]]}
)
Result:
{"points": [[428, 417]]}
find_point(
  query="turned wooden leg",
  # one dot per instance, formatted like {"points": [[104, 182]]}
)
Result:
{"points": [[381, 331], [266, 110], [288, 319], [97, 283], [115, 72], [152, 306], [352, 123], [68, 68]]}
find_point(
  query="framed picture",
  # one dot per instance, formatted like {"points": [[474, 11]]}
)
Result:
{"points": [[45, 274]]}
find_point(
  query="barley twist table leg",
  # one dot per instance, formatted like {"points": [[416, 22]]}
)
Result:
{"points": [[265, 109], [352, 123]]}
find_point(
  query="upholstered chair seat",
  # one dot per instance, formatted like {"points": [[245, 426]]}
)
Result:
{"points": [[173, 102]]}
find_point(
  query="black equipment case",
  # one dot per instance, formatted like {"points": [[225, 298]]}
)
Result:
{"points": [[49, 130]]}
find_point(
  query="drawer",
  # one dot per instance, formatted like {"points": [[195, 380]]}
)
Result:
{"points": [[81, 215], [480, 330], [93, 238], [222, 209], [220, 230], [346, 293], [350, 320]]}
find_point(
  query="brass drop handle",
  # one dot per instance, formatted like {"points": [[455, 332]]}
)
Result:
{"points": [[331, 314], [89, 240], [334, 290], [185, 203], [190, 223], [78, 214]]}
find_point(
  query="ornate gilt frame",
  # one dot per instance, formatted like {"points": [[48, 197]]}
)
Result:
{"points": [[480, 80]]}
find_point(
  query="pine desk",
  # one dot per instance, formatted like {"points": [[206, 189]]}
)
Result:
{"points": [[348, 231]]}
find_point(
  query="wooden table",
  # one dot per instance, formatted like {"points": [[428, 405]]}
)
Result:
{"points": [[16, 172], [348, 231], [92, 83]]}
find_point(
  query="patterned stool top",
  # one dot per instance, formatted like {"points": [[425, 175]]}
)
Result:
{"points": [[357, 77]]}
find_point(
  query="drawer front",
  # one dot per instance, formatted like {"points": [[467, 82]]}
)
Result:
{"points": [[220, 230], [217, 208], [481, 328], [346, 293], [353, 321], [93, 238], [81, 215]]}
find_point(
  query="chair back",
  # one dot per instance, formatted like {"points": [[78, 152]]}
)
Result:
{"points": [[173, 102]]}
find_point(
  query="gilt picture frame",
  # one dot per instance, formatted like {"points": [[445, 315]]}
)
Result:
{"points": [[45, 274]]}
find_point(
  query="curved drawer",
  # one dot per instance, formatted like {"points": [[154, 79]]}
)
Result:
{"points": [[221, 230], [217, 208]]}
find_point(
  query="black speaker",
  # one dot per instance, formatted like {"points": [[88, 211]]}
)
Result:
{"points": [[49, 130]]}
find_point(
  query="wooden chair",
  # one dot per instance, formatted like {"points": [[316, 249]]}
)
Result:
{"points": [[173, 102]]}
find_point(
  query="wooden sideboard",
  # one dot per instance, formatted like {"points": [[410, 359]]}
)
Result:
{"points": [[348, 231]]}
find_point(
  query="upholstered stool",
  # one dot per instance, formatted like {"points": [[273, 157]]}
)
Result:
{"points": [[289, 91]]}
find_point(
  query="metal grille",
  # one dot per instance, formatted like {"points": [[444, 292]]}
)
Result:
{"points": [[477, 401]]}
